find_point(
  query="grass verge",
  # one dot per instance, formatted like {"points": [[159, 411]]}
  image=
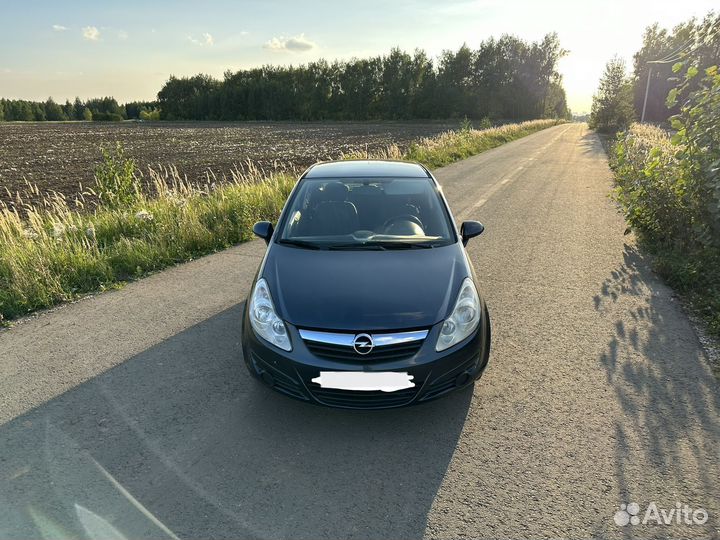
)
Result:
{"points": [[58, 250], [454, 146]]}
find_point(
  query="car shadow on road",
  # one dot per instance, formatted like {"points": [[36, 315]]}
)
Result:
{"points": [[178, 440], [665, 386]]}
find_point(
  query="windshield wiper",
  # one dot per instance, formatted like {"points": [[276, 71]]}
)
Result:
{"points": [[355, 245], [388, 244], [382, 245], [298, 243], [376, 245]]}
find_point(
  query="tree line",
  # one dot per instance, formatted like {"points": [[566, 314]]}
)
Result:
{"points": [[98, 109], [621, 97], [505, 78]]}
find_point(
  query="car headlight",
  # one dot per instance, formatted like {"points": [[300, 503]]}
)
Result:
{"points": [[464, 318], [264, 319]]}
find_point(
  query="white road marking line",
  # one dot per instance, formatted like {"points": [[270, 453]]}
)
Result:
{"points": [[462, 216], [466, 213]]}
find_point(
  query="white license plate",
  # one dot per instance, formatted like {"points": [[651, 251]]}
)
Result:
{"points": [[385, 381]]}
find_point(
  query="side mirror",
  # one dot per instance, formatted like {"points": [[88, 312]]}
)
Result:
{"points": [[470, 229], [264, 230]]}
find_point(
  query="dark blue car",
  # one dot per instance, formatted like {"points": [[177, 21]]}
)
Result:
{"points": [[365, 297]]}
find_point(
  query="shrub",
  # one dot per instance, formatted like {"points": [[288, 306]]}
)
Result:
{"points": [[698, 151], [116, 183], [669, 190], [152, 115]]}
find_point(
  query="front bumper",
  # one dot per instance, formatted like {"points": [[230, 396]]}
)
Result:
{"points": [[434, 373]]}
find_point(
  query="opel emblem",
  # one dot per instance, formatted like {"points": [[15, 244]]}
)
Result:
{"points": [[363, 344]]}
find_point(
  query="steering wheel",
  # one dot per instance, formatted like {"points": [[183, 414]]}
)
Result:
{"points": [[404, 217]]}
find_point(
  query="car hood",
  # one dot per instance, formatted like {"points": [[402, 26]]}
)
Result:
{"points": [[364, 290]]}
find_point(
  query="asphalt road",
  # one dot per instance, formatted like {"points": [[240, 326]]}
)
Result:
{"points": [[130, 414]]}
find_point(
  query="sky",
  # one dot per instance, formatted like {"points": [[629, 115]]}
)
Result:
{"points": [[128, 49]]}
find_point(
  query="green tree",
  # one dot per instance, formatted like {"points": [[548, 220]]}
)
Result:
{"points": [[402, 77], [507, 78], [612, 107], [556, 102], [38, 112], [53, 111], [456, 83], [23, 111], [68, 110], [78, 109], [360, 82], [658, 43], [694, 38], [106, 109]]}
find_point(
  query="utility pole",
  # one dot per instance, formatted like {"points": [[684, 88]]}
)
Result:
{"points": [[671, 58], [647, 89]]}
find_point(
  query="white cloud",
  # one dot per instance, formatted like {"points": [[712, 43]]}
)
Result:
{"points": [[294, 44], [59, 27], [91, 33], [122, 35], [206, 40]]}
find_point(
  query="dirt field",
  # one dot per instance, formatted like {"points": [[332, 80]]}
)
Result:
{"points": [[59, 156]]}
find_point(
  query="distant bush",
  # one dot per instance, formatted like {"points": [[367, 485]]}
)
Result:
{"points": [[150, 115], [485, 123], [142, 110]]}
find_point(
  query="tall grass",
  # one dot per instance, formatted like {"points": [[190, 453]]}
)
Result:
{"points": [[55, 250], [453, 146]]}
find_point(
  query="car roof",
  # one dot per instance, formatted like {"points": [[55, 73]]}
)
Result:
{"points": [[366, 168]]}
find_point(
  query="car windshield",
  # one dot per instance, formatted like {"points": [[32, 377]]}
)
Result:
{"points": [[373, 213]]}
